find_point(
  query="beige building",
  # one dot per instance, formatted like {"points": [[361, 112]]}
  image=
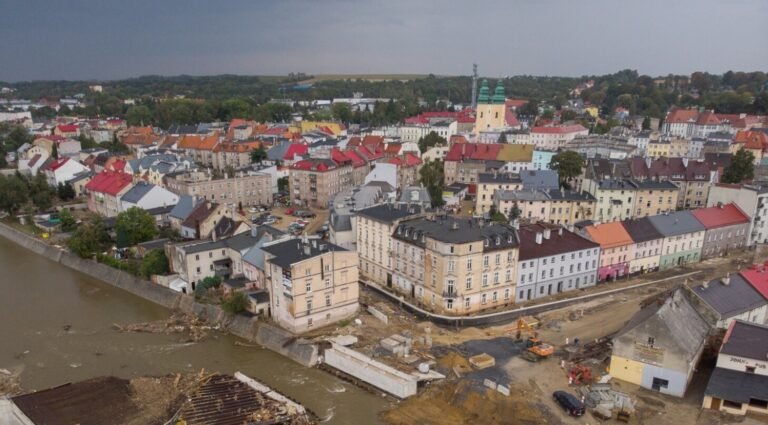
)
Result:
{"points": [[654, 197], [489, 183], [241, 190], [312, 283], [314, 181], [615, 198], [658, 149], [551, 206], [455, 266], [375, 226]]}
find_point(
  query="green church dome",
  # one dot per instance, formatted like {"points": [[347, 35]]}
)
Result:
{"points": [[483, 97], [498, 94]]}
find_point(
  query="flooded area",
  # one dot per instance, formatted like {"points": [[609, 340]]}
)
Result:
{"points": [[56, 326]]}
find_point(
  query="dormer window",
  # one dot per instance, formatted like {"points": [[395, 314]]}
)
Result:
{"points": [[487, 242]]}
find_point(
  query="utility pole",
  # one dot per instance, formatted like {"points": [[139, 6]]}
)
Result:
{"points": [[474, 86]]}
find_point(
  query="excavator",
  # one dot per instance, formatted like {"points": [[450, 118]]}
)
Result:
{"points": [[536, 349]]}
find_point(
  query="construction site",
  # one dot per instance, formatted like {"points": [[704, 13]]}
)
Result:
{"points": [[506, 374]]}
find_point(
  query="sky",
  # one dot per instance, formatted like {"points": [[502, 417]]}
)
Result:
{"points": [[109, 39]]}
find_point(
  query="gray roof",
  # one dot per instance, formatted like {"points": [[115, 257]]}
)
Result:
{"points": [[255, 255], [746, 339], [673, 318], [520, 195], [349, 200], [641, 229], [277, 152], [456, 230], [415, 194], [676, 223], [184, 208], [389, 213], [654, 184], [241, 242], [540, 179], [498, 178], [292, 251], [737, 386], [137, 192], [730, 300]]}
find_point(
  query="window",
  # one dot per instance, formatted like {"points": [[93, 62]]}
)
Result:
{"points": [[469, 282], [498, 259], [509, 257], [309, 304], [451, 265], [495, 297], [328, 283], [506, 294], [451, 249], [756, 402], [466, 303], [483, 299], [485, 280], [731, 404], [508, 276], [327, 267], [469, 264], [485, 261], [750, 369], [495, 278], [327, 300], [522, 278]]}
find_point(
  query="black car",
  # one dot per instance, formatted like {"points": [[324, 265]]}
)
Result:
{"points": [[569, 402]]}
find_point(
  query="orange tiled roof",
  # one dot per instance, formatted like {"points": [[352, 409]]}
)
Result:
{"points": [[609, 235], [189, 142]]}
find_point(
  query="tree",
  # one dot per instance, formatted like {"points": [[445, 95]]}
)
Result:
{"points": [[514, 213], [65, 191], [567, 115], [40, 193], [282, 184], [154, 262], [431, 139], [235, 303], [135, 225], [258, 155], [741, 167], [568, 165], [13, 193], [67, 220], [86, 142], [342, 111], [496, 215], [207, 283], [647, 123], [89, 238], [431, 177]]}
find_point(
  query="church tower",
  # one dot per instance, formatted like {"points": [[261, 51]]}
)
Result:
{"points": [[490, 113]]}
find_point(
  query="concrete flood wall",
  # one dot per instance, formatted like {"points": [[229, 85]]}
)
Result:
{"points": [[248, 328], [378, 374]]}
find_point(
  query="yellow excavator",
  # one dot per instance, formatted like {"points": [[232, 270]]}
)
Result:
{"points": [[536, 349]]}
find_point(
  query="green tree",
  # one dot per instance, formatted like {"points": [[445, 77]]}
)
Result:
{"points": [[567, 115], [431, 139], [154, 262], [89, 238], [431, 177], [647, 123], [514, 212], [496, 215], [342, 111], [207, 283], [68, 222], [87, 142], [235, 303], [135, 225], [568, 165], [65, 191], [282, 184], [40, 193], [13, 193], [741, 168], [115, 146], [258, 155]]}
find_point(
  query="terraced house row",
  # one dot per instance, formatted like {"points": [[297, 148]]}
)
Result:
{"points": [[461, 266]]}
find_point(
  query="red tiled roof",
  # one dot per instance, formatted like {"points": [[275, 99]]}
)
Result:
{"points": [[55, 165], [680, 116], [109, 182], [393, 148], [315, 164], [752, 139], [515, 103], [295, 149], [354, 141], [411, 159], [373, 140], [357, 160], [476, 151], [757, 276], [188, 141], [369, 153], [560, 129], [464, 116], [208, 143], [68, 128], [609, 235], [707, 118], [34, 160], [714, 217]]}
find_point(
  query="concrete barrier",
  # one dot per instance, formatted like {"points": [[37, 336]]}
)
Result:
{"points": [[287, 344], [378, 374]]}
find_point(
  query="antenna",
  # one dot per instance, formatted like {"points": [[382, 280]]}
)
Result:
{"points": [[474, 86]]}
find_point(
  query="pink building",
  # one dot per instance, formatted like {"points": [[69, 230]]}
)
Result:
{"points": [[617, 249]]}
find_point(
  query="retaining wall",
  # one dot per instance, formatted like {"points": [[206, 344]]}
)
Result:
{"points": [[287, 344], [371, 371]]}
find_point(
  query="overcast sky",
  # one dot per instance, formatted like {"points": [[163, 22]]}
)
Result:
{"points": [[109, 39]]}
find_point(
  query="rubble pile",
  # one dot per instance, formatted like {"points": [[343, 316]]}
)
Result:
{"points": [[196, 328]]}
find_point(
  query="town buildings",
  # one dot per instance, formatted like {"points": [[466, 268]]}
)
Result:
{"points": [[554, 260], [312, 283], [105, 190], [752, 200], [730, 298], [489, 183], [314, 181], [617, 249], [244, 188], [453, 265], [739, 383], [727, 229], [660, 347], [648, 245], [62, 170], [683, 238], [148, 196]]}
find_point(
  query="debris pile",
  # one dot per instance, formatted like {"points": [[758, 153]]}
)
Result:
{"points": [[196, 328], [9, 383]]}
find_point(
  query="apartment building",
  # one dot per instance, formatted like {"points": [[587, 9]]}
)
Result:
{"points": [[105, 190], [654, 197], [312, 283], [617, 249], [556, 137], [314, 181], [455, 265], [692, 177], [683, 238], [648, 243], [727, 229], [554, 260], [615, 198], [489, 183], [752, 200], [243, 189], [374, 228]]}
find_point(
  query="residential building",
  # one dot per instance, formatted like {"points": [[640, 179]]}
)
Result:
{"points": [[203, 219], [530, 205], [489, 183], [654, 197], [617, 249], [693, 178], [243, 189], [599, 146], [147, 196], [727, 229], [657, 149], [314, 181], [722, 301], [554, 260], [739, 383], [465, 161], [182, 210], [62, 170], [542, 159], [683, 238], [660, 346], [648, 244], [556, 137], [375, 226], [757, 276], [752, 200], [453, 265], [105, 190], [311, 283], [615, 198], [342, 227]]}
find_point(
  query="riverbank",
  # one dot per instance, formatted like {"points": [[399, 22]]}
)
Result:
{"points": [[248, 328]]}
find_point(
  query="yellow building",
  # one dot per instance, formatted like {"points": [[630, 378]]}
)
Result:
{"points": [[306, 126], [658, 149], [654, 197], [592, 111], [491, 111]]}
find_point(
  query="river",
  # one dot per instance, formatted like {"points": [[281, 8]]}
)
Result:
{"points": [[56, 327]]}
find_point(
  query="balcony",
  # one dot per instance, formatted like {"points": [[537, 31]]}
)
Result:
{"points": [[451, 294]]}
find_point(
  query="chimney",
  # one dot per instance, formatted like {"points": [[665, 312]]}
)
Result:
{"points": [[538, 238], [720, 205], [726, 280], [685, 162], [547, 233], [560, 232], [455, 225], [705, 285]]}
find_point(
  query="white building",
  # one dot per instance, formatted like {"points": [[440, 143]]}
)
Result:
{"points": [[753, 200], [148, 196], [62, 170]]}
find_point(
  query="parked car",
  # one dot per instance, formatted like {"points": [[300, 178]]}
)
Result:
{"points": [[569, 402]]}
